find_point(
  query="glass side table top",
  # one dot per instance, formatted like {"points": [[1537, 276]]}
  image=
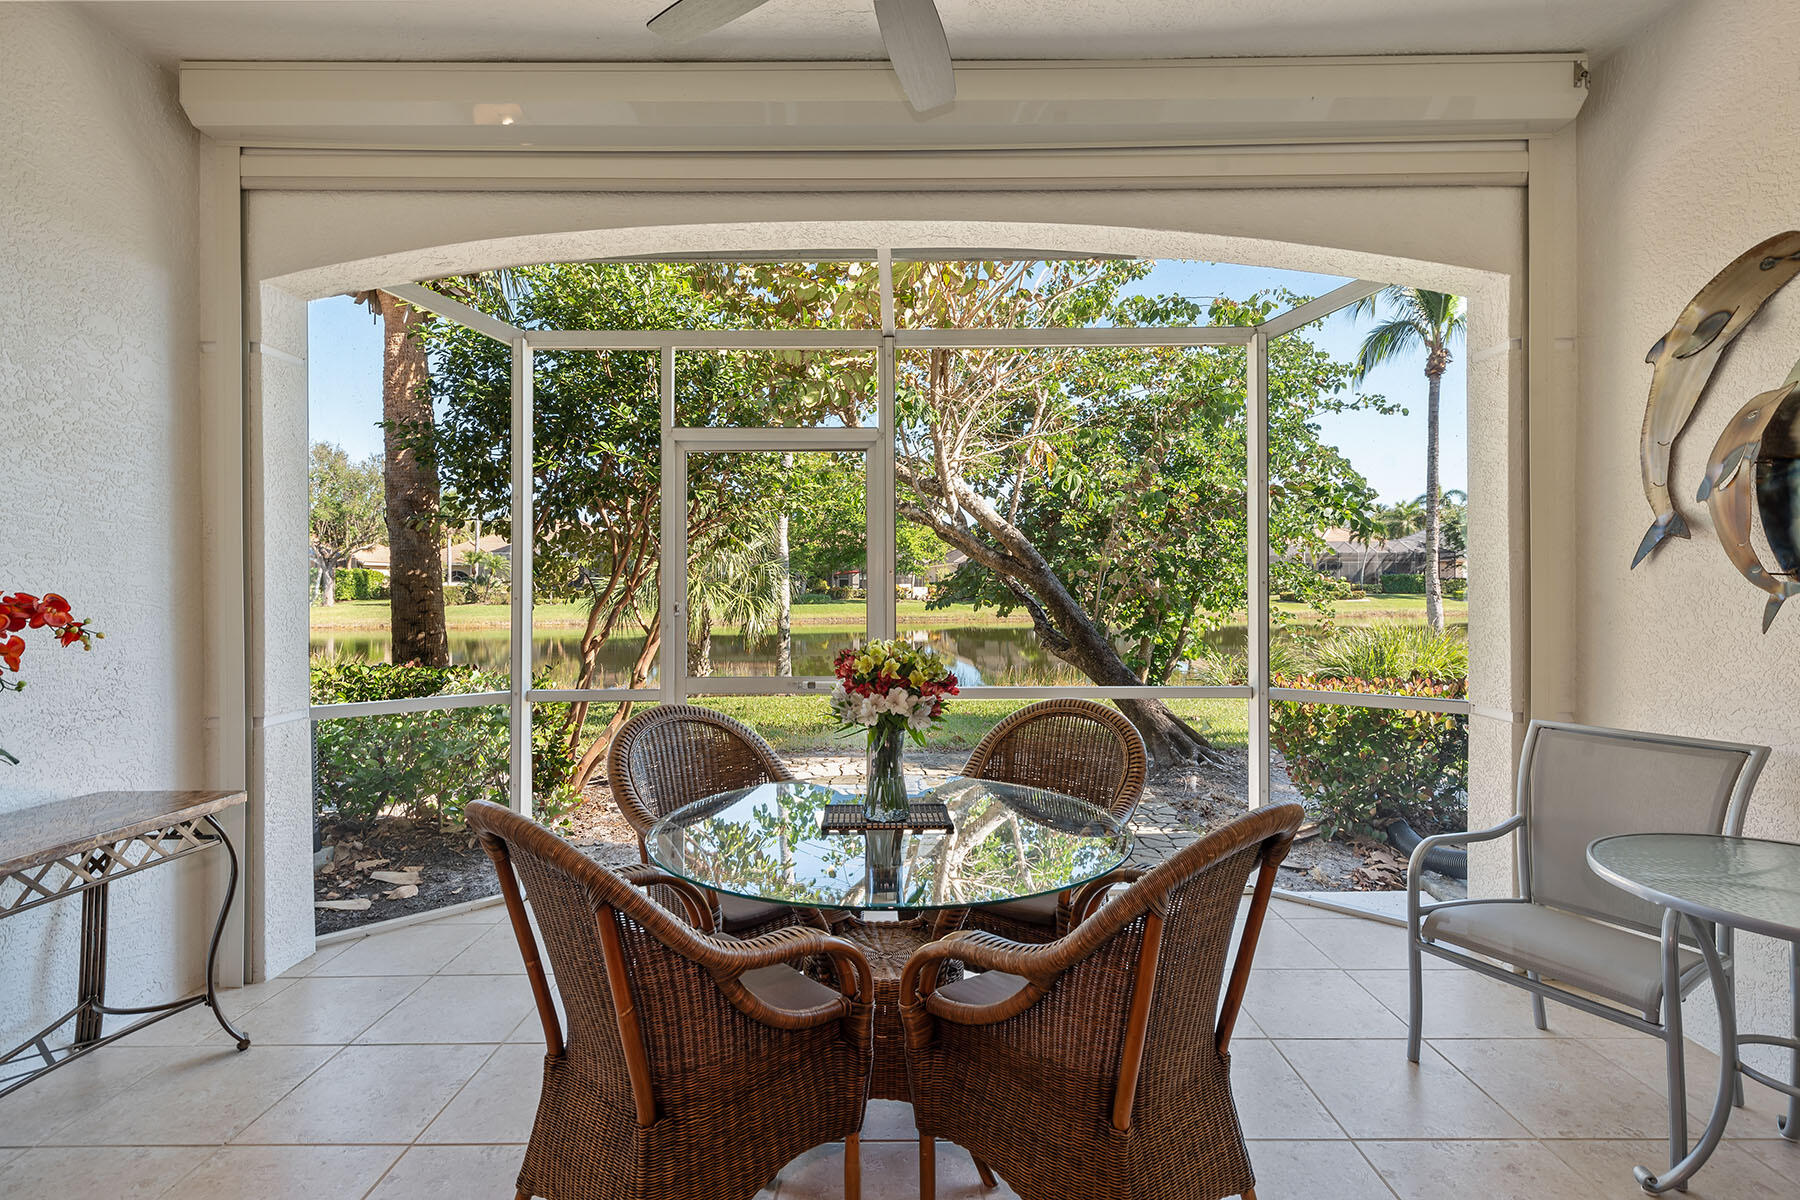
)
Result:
{"points": [[1009, 842], [1747, 883]]}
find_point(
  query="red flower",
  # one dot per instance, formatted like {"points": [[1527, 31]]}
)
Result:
{"points": [[11, 650]]}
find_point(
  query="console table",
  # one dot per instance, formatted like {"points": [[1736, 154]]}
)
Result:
{"points": [[65, 847]]}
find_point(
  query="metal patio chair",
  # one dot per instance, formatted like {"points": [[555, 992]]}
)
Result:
{"points": [[1608, 953]]}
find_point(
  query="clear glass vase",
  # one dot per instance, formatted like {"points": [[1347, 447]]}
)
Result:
{"points": [[884, 796]]}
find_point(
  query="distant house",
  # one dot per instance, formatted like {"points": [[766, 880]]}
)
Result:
{"points": [[1347, 558]]}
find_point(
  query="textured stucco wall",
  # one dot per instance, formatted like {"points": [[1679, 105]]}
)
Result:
{"points": [[1688, 157], [98, 353], [302, 245]]}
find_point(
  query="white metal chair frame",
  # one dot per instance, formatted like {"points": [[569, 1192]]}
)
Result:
{"points": [[1676, 983]]}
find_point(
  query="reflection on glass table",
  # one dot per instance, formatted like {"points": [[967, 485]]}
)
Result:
{"points": [[1008, 842]]}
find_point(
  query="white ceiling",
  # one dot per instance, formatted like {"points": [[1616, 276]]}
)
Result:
{"points": [[613, 30]]}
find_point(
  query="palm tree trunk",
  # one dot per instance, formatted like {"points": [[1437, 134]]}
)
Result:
{"points": [[784, 611], [416, 570], [1434, 586]]}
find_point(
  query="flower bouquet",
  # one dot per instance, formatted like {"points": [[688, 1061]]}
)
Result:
{"points": [[22, 610], [889, 689]]}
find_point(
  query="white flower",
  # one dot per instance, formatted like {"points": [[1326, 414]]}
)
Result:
{"points": [[899, 701], [867, 713]]}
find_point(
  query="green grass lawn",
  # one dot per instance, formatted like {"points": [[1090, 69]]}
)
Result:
{"points": [[802, 724]]}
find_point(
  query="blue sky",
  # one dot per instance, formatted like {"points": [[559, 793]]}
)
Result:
{"points": [[344, 361]]}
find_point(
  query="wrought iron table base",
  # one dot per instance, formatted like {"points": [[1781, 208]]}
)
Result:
{"points": [[92, 877], [1730, 1064]]}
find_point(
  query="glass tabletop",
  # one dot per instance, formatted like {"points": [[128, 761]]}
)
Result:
{"points": [[1746, 883], [1008, 842]]}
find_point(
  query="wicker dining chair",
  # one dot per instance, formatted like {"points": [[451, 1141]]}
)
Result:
{"points": [[695, 1066], [674, 754], [1097, 1064], [1075, 747]]}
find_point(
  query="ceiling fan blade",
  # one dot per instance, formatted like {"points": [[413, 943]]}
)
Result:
{"points": [[686, 19], [914, 36]]}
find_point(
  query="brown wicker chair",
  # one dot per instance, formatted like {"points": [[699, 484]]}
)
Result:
{"points": [[1075, 747], [674, 754], [695, 1065], [1094, 1065]]}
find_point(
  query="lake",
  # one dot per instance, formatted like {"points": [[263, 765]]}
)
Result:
{"points": [[979, 654]]}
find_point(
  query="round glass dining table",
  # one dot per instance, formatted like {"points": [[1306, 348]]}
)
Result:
{"points": [[1006, 842]]}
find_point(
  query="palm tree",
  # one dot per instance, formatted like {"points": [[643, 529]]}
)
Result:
{"points": [[1417, 319], [740, 585], [1401, 518]]}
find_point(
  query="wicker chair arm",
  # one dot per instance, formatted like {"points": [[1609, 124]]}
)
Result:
{"points": [[1038, 964], [1089, 895], [727, 960], [701, 912]]}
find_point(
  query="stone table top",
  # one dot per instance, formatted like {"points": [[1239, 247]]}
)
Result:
{"points": [[59, 828]]}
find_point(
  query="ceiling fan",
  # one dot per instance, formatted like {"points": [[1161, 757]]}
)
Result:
{"points": [[911, 31]]}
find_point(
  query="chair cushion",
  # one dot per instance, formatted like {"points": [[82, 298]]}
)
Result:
{"points": [[1595, 957], [1033, 910], [780, 986], [986, 987], [740, 914]]}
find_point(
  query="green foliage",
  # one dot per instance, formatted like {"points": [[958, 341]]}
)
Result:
{"points": [[424, 765], [1393, 650], [1402, 584], [360, 583], [1360, 768], [344, 512]]}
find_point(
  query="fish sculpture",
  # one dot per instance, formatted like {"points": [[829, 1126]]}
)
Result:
{"points": [[1684, 359], [1755, 468]]}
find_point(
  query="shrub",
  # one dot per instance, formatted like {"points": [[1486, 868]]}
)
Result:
{"points": [[840, 593], [1456, 589], [1403, 585], [360, 583], [1362, 767], [1392, 650], [423, 765]]}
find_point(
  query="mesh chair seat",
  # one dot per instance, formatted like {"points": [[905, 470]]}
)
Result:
{"points": [[1603, 959]]}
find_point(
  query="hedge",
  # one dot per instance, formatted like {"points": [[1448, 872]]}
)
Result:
{"points": [[360, 583], [1360, 768], [1414, 585]]}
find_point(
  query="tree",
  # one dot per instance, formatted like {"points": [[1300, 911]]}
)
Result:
{"points": [[345, 511], [736, 583], [1401, 518], [1417, 319], [415, 562]]}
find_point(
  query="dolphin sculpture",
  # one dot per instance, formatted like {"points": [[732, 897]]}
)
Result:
{"points": [[1684, 359], [1755, 467]]}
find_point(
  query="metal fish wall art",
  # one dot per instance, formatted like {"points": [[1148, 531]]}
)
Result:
{"points": [[1755, 468], [1684, 359]]}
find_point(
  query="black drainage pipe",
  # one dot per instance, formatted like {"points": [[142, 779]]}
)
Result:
{"points": [[1445, 860]]}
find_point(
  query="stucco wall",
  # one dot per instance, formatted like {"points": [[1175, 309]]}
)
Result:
{"points": [[1688, 157], [98, 356]]}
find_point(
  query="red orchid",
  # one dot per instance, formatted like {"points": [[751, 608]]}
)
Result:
{"points": [[22, 610]]}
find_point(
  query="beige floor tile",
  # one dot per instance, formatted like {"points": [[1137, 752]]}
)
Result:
{"points": [[1462, 1004], [1557, 1087], [370, 1094], [1272, 1101], [420, 950], [323, 1010], [1489, 1170], [1289, 910], [285, 1173], [531, 1028], [498, 1104], [189, 1027], [1643, 1058], [35, 1110], [1314, 1171], [889, 1121], [1732, 1173], [1374, 1092], [890, 1171], [94, 1172], [456, 1008], [1323, 1004], [317, 959], [487, 914], [1356, 944], [1281, 948], [1781, 1155], [495, 952], [451, 1173], [200, 1096]]}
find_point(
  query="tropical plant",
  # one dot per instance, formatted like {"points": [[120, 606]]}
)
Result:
{"points": [[1392, 650], [1411, 319], [1401, 518], [737, 583], [344, 513]]}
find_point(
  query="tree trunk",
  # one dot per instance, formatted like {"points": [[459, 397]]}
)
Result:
{"points": [[700, 648], [328, 584], [1434, 586], [415, 564], [784, 610]]}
